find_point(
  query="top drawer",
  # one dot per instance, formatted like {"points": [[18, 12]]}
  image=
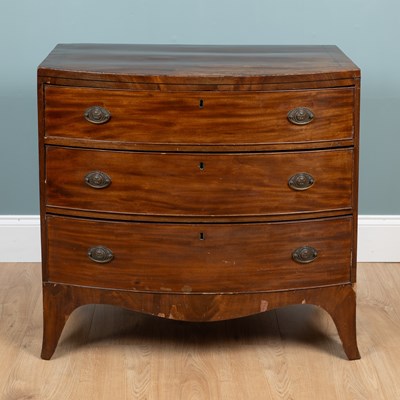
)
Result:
{"points": [[203, 119]]}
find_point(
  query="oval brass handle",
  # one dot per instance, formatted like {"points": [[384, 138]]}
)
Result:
{"points": [[100, 254], [300, 116], [305, 254], [97, 115], [97, 180], [301, 181]]}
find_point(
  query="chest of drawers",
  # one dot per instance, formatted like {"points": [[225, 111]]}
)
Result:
{"points": [[198, 183]]}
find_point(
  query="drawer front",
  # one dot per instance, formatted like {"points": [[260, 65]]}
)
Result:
{"points": [[199, 184], [199, 118], [198, 257]]}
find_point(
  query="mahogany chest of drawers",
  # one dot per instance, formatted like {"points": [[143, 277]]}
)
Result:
{"points": [[198, 183]]}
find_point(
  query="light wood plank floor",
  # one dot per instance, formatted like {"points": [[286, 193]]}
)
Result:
{"points": [[110, 353]]}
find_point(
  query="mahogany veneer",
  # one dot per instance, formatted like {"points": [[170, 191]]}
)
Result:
{"points": [[198, 183]]}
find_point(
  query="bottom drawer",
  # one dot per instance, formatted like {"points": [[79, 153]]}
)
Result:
{"points": [[163, 257]]}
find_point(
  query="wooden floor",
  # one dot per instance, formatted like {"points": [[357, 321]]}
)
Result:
{"points": [[111, 354]]}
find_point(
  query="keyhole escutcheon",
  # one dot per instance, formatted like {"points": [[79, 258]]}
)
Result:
{"points": [[201, 166], [201, 103]]}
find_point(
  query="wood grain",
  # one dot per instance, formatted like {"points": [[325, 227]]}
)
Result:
{"points": [[176, 119], [198, 64], [107, 352], [173, 258], [244, 184]]}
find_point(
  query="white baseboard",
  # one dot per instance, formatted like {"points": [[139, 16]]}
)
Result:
{"points": [[378, 238], [20, 238]]}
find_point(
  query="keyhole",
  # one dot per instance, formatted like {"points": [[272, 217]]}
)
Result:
{"points": [[201, 166], [201, 103], [202, 236]]}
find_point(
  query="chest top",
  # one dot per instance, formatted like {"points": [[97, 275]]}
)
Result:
{"points": [[198, 64]]}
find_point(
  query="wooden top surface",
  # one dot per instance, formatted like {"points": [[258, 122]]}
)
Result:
{"points": [[198, 64]]}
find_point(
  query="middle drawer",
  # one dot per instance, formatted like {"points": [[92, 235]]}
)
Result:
{"points": [[199, 184]]}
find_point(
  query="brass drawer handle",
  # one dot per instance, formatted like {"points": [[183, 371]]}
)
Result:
{"points": [[100, 254], [305, 254], [300, 116], [97, 180], [97, 115], [301, 181]]}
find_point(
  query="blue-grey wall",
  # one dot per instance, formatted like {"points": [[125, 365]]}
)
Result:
{"points": [[367, 30]]}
